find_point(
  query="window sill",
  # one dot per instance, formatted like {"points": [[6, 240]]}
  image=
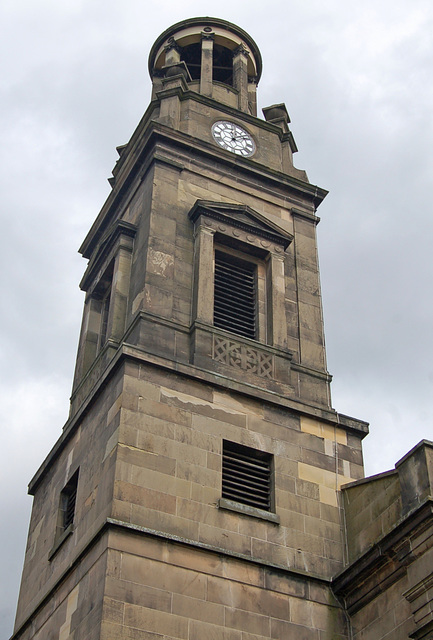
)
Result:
{"points": [[231, 505], [58, 543]]}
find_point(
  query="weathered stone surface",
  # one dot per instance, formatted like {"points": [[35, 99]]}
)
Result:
{"points": [[152, 553]]}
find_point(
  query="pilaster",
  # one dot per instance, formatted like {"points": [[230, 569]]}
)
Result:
{"points": [[240, 75], [278, 320], [207, 40], [203, 274]]}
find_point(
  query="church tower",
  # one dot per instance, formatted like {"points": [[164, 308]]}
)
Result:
{"points": [[194, 491]]}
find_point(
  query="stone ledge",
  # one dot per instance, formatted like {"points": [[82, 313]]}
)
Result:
{"points": [[125, 527], [425, 633], [383, 564], [60, 540], [169, 537], [127, 351], [246, 510]]}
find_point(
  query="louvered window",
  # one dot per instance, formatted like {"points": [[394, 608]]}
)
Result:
{"points": [[103, 295], [247, 476], [105, 308], [235, 295], [67, 502]]}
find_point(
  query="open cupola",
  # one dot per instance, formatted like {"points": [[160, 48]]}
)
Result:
{"points": [[215, 57]]}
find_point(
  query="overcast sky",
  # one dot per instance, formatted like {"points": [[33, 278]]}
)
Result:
{"points": [[356, 78]]}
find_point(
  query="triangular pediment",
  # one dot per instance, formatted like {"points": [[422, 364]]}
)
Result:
{"points": [[243, 217]]}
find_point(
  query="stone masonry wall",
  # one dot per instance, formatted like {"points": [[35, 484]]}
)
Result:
{"points": [[92, 450], [168, 475], [74, 609], [160, 589], [372, 509], [387, 617]]}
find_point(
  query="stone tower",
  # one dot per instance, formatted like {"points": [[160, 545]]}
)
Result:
{"points": [[194, 491]]}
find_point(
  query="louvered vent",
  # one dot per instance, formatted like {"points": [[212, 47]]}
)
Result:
{"points": [[247, 476], [235, 295], [68, 498], [105, 308]]}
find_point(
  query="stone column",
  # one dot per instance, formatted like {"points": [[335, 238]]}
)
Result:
{"points": [[109, 292], [203, 275], [311, 334], [277, 311], [206, 63], [252, 96], [119, 294], [240, 75], [89, 337]]}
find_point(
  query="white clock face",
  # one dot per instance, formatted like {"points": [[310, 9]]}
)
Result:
{"points": [[232, 137]]}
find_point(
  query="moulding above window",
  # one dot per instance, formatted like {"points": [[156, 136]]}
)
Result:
{"points": [[242, 223], [104, 252]]}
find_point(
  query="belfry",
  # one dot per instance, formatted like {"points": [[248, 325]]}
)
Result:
{"points": [[196, 488]]}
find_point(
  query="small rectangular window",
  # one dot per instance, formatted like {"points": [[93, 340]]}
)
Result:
{"points": [[247, 476], [235, 295], [67, 503], [65, 514]]}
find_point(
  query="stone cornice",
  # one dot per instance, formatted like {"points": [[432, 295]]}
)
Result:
{"points": [[103, 252], [425, 633], [138, 156], [305, 214], [130, 352], [384, 563]]}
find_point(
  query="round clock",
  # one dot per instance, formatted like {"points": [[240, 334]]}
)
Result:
{"points": [[233, 138]]}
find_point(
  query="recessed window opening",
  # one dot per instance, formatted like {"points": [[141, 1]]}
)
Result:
{"points": [[235, 295], [222, 65], [103, 295], [247, 476], [191, 55], [67, 502], [222, 62], [65, 514]]}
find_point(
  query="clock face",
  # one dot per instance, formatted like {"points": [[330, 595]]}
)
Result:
{"points": [[233, 138]]}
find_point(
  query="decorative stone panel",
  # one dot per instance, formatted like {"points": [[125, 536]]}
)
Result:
{"points": [[242, 356], [241, 359]]}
